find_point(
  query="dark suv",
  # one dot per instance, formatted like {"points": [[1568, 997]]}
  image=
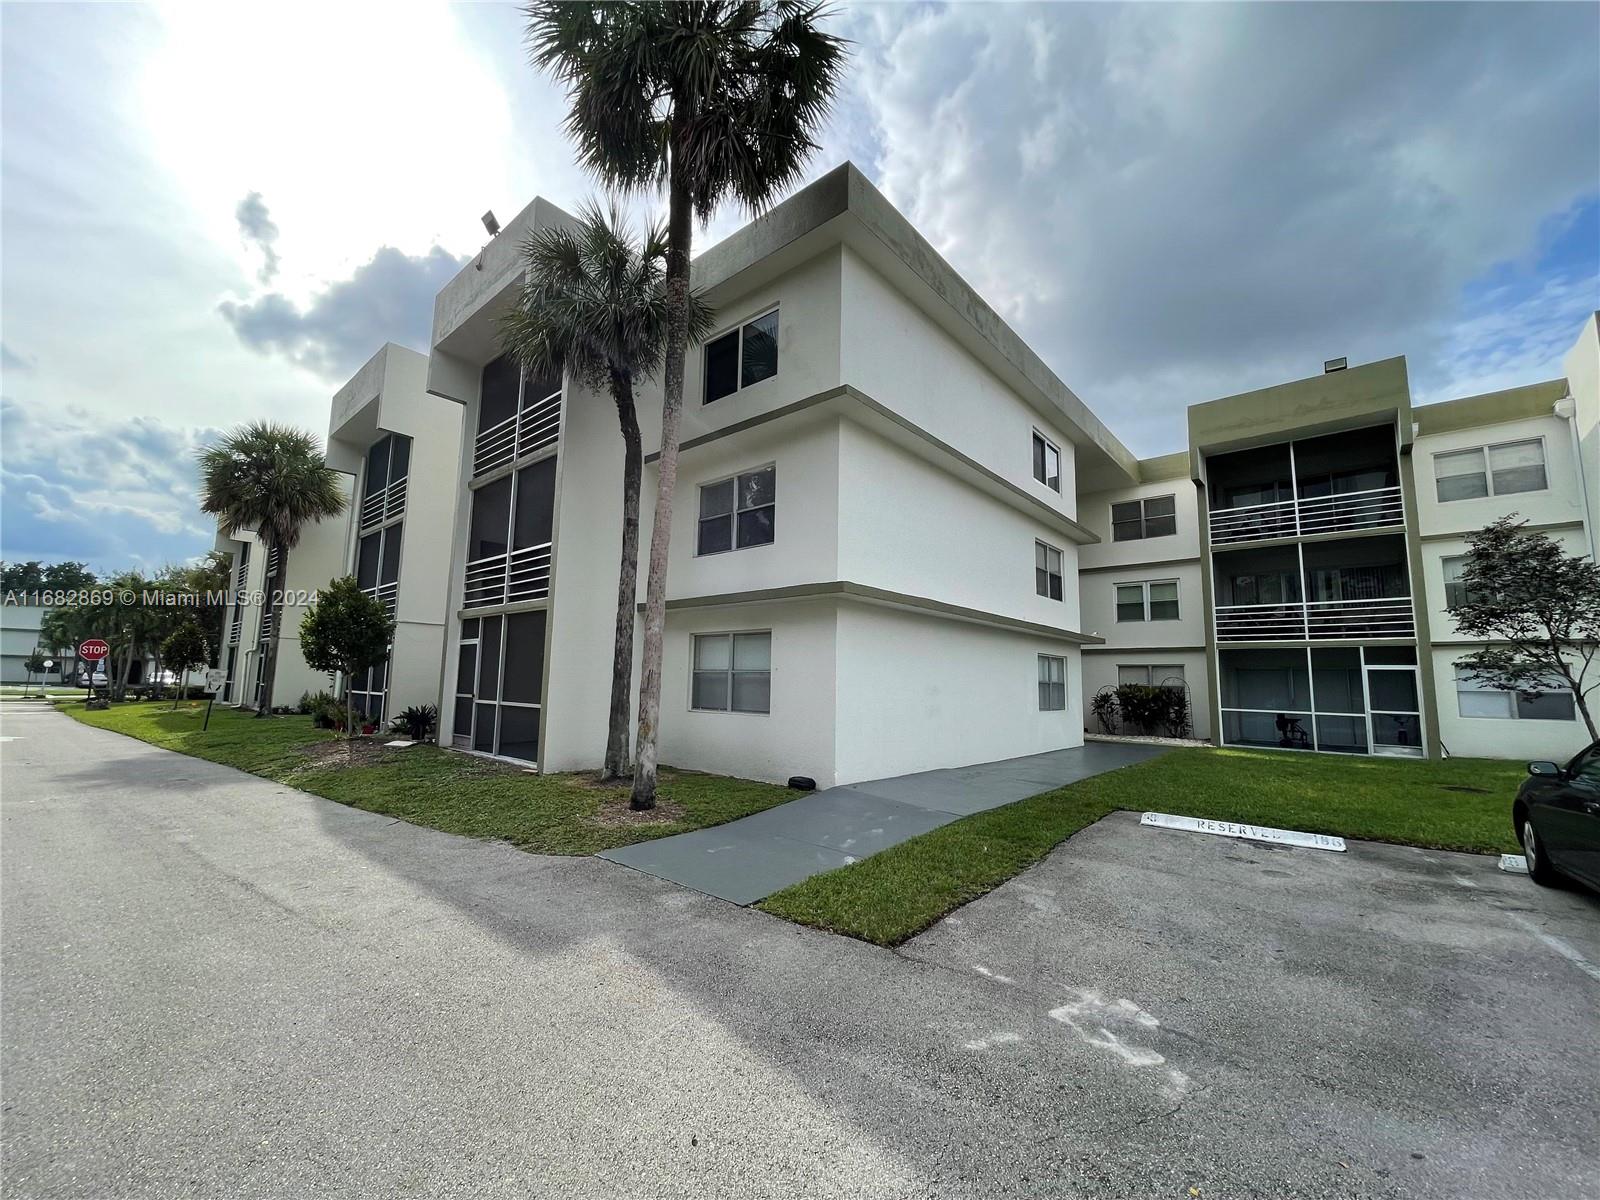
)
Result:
{"points": [[1557, 818]]}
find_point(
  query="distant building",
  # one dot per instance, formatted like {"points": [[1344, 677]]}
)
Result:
{"points": [[19, 637]]}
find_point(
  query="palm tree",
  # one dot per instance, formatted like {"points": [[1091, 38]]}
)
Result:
{"points": [[595, 307], [272, 479], [715, 99]]}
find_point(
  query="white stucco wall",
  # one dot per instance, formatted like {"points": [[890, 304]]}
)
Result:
{"points": [[918, 692], [1098, 590], [1582, 368], [1559, 503], [1094, 511], [895, 353], [907, 526], [797, 736], [1484, 737]]}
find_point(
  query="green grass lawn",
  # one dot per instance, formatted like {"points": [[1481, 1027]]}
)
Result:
{"points": [[900, 892], [458, 793]]}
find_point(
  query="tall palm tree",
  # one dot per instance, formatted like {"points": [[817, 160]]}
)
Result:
{"points": [[713, 100], [594, 305], [272, 479]]}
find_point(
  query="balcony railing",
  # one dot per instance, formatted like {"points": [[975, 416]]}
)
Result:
{"points": [[1376, 508], [384, 505], [508, 578], [236, 628], [529, 431], [1387, 617], [385, 594]]}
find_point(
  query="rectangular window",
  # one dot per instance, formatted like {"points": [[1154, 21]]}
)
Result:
{"points": [[1500, 470], [1152, 676], [1047, 571], [1455, 592], [1154, 516], [1046, 462], [739, 512], [732, 672], [1052, 683], [1153, 601], [1474, 698], [742, 357]]}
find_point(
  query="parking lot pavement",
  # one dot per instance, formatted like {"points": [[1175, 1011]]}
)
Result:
{"points": [[1405, 1021], [216, 986]]}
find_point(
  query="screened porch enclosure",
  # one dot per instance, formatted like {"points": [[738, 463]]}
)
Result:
{"points": [[1336, 699], [499, 692]]}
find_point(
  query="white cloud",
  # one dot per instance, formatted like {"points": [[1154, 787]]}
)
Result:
{"points": [[1178, 202]]}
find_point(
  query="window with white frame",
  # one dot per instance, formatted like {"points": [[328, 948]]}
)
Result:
{"points": [[1156, 600], [1151, 676], [732, 672], [1499, 470], [1046, 461], [1052, 683], [742, 356], [1047, 579], [1455, 591], [738, 512], [1154, 516], [1475, 698]]}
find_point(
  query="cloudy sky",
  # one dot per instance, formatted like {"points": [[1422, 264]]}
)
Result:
{"points": [[213, 212]]}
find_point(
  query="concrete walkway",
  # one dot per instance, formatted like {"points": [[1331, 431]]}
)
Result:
{"points": [[749, 859]]}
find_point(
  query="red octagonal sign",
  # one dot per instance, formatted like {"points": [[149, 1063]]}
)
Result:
{"points": [[92, 648]]}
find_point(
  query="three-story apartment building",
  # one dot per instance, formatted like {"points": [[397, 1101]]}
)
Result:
{"points": [[900, 542], [1308, 547], [403, 448], [874, 550]]}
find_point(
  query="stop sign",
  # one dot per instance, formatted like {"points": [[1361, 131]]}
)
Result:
{"points": [[93, 648]]}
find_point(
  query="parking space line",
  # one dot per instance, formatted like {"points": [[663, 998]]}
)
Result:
{"points": [[1560, 947]]}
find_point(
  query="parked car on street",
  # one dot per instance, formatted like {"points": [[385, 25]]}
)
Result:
{"points": [[1557, 819]]}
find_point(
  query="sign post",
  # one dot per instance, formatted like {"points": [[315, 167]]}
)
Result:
{"points": [[92, 650], [214, 681]]}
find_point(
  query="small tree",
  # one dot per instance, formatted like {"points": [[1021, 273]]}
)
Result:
{"points": [[185, 649], [33, 665], [1537, 607], [348, 631]]}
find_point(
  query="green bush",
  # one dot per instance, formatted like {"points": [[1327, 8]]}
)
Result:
{"points": [[1155, 711], [417, 722], [326, 712]]}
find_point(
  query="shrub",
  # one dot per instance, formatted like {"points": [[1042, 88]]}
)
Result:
{"points": [[1158, 711], [417, 722], [1104, 708], [326, 712]]}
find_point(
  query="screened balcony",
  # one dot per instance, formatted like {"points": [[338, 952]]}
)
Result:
{"points": [[518, 417], [1339, 483], [1335, 699], [383, 484], [1349, 590]]}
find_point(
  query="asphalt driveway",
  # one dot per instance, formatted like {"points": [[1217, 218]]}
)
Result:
{"points": [[1385, 1021], [215, 986]]}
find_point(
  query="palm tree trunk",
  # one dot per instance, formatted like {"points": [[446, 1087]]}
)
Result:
{"points": [[269, 670], [616, 765], [680, 232], [121, 687]]}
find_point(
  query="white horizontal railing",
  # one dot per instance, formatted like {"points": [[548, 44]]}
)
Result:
{"points": [[1375, 508], [1387, 617], [1260, 622], [236, 628], [384, 505], [534, 428], [385, 594], [508, 578]]}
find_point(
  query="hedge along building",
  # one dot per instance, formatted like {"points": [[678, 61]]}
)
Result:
{"points": [[875, 540], [402, 446], [1300, 585]]}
